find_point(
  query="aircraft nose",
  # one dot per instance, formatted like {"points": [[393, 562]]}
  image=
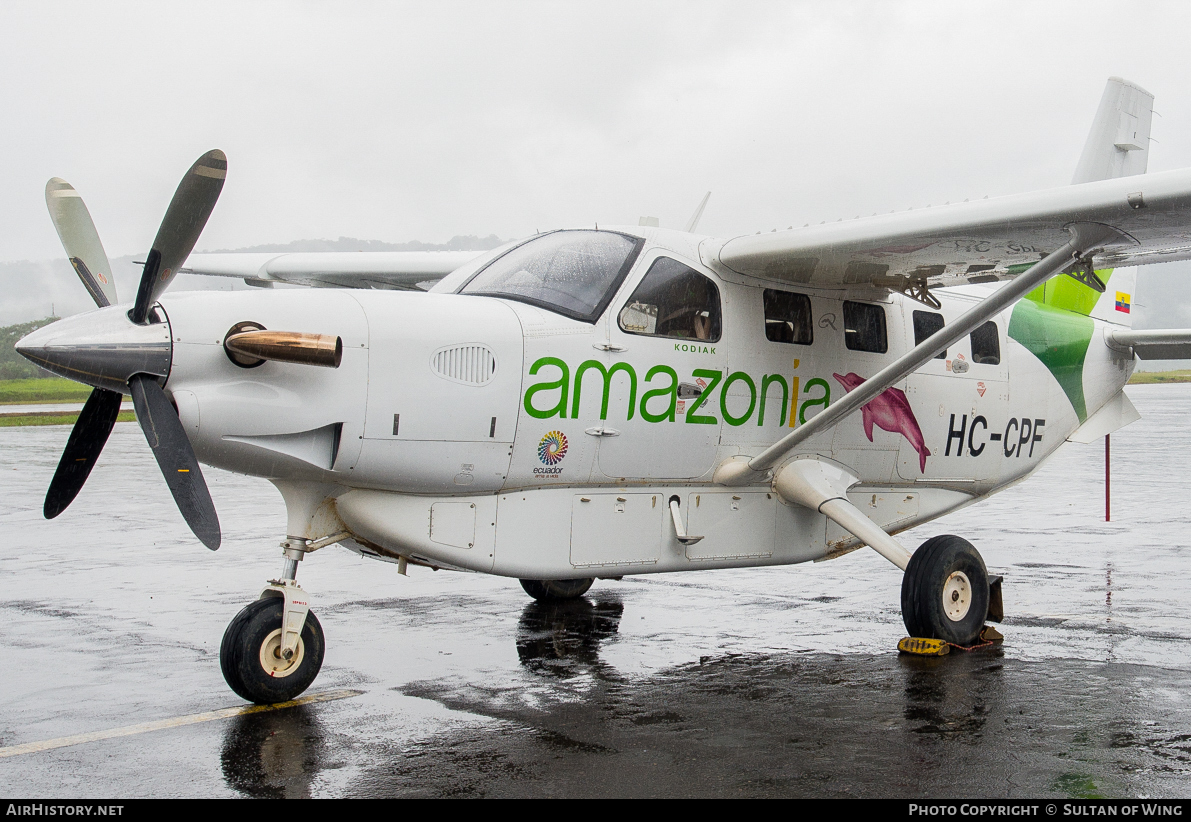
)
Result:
{"points": [[102, 348]]}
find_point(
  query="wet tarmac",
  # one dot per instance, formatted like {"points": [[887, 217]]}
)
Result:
{"points": [[768, 682]]}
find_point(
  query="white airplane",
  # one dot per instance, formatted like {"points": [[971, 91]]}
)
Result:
{"points": [[593, 403]]}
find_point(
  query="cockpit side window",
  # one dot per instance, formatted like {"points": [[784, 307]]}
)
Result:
{"points": [[673, 300], [575, 273]]}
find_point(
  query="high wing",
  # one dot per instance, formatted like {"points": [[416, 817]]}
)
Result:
{"points": [[1027, 239], [972, 242], [405, 270]]}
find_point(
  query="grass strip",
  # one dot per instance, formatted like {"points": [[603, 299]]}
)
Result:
{"points": [[49, 389], [1157, 377], [52, 418]]}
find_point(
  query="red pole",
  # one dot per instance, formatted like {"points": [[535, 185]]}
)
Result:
{"points": [[1107, 484]]}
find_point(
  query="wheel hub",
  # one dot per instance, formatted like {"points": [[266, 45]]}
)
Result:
{"points": [[957, 596], [273, 663]]}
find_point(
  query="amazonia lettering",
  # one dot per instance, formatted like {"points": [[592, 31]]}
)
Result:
{"points": [[671, 391], [823, 400], [714, 377], [558, 395], [606, 373], [735, 377]]}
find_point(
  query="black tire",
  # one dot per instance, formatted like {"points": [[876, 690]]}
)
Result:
{"points": [[240, 654], [548, 590], [924, 583]]}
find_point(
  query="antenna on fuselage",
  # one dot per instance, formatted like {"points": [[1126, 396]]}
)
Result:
{"points": [[694, 220]]}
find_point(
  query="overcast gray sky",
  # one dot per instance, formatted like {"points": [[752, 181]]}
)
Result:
{"points": [[401, 121]]}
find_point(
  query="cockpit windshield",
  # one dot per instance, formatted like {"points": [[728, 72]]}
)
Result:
{"points": [[575, 273]]}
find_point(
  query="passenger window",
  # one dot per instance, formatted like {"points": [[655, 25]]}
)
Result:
{"points": [[673, 300], [788, 317], [986, 345], [925, 324], [864, 327]]}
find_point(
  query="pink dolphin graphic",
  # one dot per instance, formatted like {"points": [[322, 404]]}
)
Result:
{"points": [[890, 412]]}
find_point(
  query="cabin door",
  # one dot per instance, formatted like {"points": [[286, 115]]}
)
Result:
{"points": [[664, 360]]}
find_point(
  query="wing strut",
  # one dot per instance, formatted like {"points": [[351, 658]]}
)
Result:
{"points": [[822, 486], [1086, 239]]}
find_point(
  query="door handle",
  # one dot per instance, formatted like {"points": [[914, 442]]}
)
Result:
{"points": [[607, 346], [600, 431]]}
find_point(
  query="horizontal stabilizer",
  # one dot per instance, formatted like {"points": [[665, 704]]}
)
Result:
{"points": [[1155, 344], [1112, 416]]}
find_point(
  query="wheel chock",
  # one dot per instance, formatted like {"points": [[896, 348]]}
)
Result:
{"points": [[990, 634], [996, 602], [919, 646]]}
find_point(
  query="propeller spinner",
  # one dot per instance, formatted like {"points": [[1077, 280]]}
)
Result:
{"points": [[118, 351]]}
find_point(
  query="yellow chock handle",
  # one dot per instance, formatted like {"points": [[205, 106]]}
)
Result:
{"points": [[920, 646]]}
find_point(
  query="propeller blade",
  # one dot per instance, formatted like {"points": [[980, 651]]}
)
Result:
{"points": [[180, 229], [77, 232], [87, 439], [175, 458]]}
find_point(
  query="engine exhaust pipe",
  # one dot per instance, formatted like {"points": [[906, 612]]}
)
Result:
{"points": [[251, 348]]}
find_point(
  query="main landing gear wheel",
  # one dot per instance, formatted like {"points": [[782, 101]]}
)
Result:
{"points": [[546, 590], [251, 660], [945, 591]]}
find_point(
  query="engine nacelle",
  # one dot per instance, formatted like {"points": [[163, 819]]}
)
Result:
{"points": [[424, 398]]}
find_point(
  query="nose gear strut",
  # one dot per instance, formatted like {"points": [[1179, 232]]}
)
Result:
{"points": [[273, 649]]}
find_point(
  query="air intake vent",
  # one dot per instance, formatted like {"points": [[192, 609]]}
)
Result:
{"points": [[471, 364]]}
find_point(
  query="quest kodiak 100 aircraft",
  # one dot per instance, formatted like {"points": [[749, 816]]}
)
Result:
{"points": [[592, 403]]}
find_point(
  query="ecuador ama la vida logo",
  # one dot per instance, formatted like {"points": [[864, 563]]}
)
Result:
{"points": [[551, 450]]}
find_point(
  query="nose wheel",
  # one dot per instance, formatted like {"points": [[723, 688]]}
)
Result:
{"points": [[253, 659], [945, 591], [273, 649]]}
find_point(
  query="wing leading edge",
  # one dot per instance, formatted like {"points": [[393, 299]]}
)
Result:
{"points": [[972, 242], [336, 269]]}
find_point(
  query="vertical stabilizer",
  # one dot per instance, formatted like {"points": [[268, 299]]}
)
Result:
{"points": [[1119, 143], [1114, 305]]}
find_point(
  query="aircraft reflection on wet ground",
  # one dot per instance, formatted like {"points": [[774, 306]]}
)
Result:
{"points": [[764, 682], [563, 638], [808, 724]]}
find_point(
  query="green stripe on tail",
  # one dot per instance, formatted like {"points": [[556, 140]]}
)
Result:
{"points": [[1052, 322]]}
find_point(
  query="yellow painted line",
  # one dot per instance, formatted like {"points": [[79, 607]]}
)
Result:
{"points": [[176, 722]]}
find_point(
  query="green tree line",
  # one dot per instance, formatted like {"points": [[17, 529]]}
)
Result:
{"points": [[12, 365]]}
